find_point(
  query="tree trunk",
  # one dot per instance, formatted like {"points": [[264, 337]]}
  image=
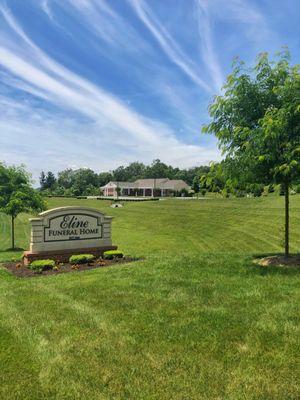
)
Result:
{"points": [[287, 221], [12, 232]]}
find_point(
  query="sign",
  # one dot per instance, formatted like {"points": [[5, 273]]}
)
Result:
{"points": [[73, 226], [68, 228]]}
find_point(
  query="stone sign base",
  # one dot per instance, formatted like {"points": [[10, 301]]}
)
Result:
{"points": [[63, 255]]}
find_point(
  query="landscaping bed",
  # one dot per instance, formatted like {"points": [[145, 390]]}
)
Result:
{"points": [[18, 269], [279, 261]]}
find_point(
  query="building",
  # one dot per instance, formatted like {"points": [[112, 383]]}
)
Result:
{"points": [[161, 187]]}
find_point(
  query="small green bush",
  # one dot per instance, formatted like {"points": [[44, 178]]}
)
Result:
{"points": [[111, 254], [81, 258], [41, 265], [297, 188]]}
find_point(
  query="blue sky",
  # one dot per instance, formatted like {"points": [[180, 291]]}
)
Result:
{"points": [[94, 83]]}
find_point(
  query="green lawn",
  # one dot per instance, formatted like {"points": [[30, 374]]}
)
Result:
{"points": [[194, 320]]}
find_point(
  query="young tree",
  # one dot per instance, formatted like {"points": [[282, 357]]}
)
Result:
{"points": [[16, 195], [257, 123]]}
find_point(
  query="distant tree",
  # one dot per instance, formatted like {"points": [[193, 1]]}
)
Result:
{"points": [[58, 191], [91, 190], [118, 190], [134, 171], [187, 175], [17, 195], [157, 169], [257, 123], [42, 180], [50, 181], [65, 178], [120, 174], [104, 178], [196, 184], [83, 178]]}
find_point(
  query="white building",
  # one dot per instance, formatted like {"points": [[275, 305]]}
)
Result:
{"points": [[161, 187]]}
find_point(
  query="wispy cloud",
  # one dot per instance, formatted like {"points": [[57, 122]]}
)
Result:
{"points": [[45, 5], [244, 12], [167, 43], [209, 56], [99, 19]]}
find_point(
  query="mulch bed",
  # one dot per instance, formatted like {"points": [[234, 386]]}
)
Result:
{"points": [[279, 261], [22, 271]]}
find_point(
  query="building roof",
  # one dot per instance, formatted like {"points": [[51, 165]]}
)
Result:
{"points": [[121, 185], [150, 183], [159, 183], [175, 184]]}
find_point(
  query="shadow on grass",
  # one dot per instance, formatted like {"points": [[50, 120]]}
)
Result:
{"points": [[11, 250], [11, 255]]}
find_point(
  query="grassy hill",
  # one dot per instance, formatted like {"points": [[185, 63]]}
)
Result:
{"points": [[194, 320]]}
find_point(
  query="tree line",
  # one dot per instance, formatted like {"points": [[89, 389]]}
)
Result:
{"points": [[86, 182]]}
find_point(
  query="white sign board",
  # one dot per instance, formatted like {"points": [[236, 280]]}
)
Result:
{"points": [[68, 228], [73, 226]]}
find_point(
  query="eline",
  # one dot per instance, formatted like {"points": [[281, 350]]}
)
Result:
{"points": [[69, 223]]}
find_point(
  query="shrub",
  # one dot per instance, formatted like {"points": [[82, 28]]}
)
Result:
{"points": [[225, 193], [239, 193], [111, 254], [81, 258], [41, 265], [297, 188], [256, 189]]}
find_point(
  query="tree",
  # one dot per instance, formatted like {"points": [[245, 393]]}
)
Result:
{"points": [[83, 178], [158, 169], [42, 180], [104, 178], [118, 190], [50, 181], [120, 174], [135, 170], [257, 123], [66, 178], [16, 195], [196, 184]]}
